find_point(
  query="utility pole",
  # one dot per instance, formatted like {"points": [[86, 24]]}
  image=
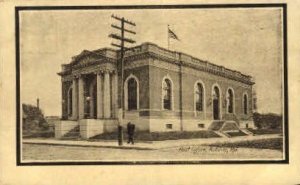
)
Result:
{"points": [[120, 65]]}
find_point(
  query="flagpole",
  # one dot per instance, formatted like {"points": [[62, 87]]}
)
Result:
{"points": [[168, 38]]}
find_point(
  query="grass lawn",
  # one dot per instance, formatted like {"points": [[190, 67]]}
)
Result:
{"points": [[158, 136], [38, 134], [265, 131], [273, 143]]}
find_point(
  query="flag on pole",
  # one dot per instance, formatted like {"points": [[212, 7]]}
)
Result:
{"points": [[172, 34]]}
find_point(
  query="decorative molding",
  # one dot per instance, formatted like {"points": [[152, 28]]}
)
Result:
{"points": [[175, 68], [196, 64]]}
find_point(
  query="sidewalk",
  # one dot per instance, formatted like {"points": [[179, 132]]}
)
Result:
{"points": [[155, 145]]}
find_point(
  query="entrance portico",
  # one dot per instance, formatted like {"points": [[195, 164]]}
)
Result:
{"points": [[93, 97]]}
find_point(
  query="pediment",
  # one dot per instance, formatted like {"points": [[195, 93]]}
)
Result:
{"points": [[85, 58]]}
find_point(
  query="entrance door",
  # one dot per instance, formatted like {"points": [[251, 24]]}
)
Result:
{"points": [[216, 103]]}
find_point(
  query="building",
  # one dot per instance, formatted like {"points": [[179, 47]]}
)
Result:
{"points": [[163, 91]]}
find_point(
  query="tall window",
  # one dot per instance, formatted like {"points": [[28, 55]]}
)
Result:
{"points": [[230, 101], [199, 97], [245, 103], [216, 103], [167, 94], [70, 102], [132, 94]]}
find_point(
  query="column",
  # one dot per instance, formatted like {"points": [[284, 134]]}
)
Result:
{"points": [[99, 96], [91, 102], [81, 97], [106, 98], [74, 99], [114, 89], [64, 102]]}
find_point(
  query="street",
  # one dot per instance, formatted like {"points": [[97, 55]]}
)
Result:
{"points": [[32, 152]]}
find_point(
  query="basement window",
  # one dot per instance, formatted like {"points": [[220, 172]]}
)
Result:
{"points": [[201, 125], [169, 126]]}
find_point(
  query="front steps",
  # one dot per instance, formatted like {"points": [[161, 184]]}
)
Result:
{"points": [[73, 134], [216, 125], [222, 128], [246, 131], [222, 134]]}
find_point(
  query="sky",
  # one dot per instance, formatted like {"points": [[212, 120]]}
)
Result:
{"points": [[247, 40]]}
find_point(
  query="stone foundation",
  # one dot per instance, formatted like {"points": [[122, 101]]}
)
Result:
{"points": [[93, 127], [164, 125], [64, 126], [140, 124], [90, 128], [196, 124], [110, 125]]}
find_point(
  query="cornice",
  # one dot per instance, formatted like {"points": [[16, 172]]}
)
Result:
{"points": [[149, 50], [153, 55]]}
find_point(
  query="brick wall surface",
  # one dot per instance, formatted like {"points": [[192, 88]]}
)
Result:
{"points": [[189, 78]]}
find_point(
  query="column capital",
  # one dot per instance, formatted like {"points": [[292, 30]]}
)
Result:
{"points": [[103, 71], [113, 71], [100, 72], [109, 71], [76, 76]]}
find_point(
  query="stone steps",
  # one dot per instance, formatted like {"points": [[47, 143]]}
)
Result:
{"points": [[246, 131], [216, 125], [72, 134], [222, 134]]}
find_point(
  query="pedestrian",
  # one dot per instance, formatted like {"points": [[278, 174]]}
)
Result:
{"points": [[130, 132]]}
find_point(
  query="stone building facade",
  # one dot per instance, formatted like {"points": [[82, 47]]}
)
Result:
{"points": [[163, 91]]}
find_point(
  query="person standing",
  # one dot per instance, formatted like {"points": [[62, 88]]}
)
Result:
{"points": [[130, 132]]}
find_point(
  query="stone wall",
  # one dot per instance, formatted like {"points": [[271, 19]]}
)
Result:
{"points": [[63, 127]]}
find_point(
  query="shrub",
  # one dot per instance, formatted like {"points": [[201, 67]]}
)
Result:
{"points": [[33, 120], [267, 121]]}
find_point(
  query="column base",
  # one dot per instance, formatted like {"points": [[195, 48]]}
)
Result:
{"points": [[62, 127], [92, 127]]}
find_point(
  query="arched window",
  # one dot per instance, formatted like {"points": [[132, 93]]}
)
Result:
{"points": [[199, 97], [132, 94], [70, 107], [245, 103], [216, 103], [166, 93], [230, 101]]}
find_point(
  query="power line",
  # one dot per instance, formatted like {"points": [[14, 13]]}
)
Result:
{"points": [[120, 63]]}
